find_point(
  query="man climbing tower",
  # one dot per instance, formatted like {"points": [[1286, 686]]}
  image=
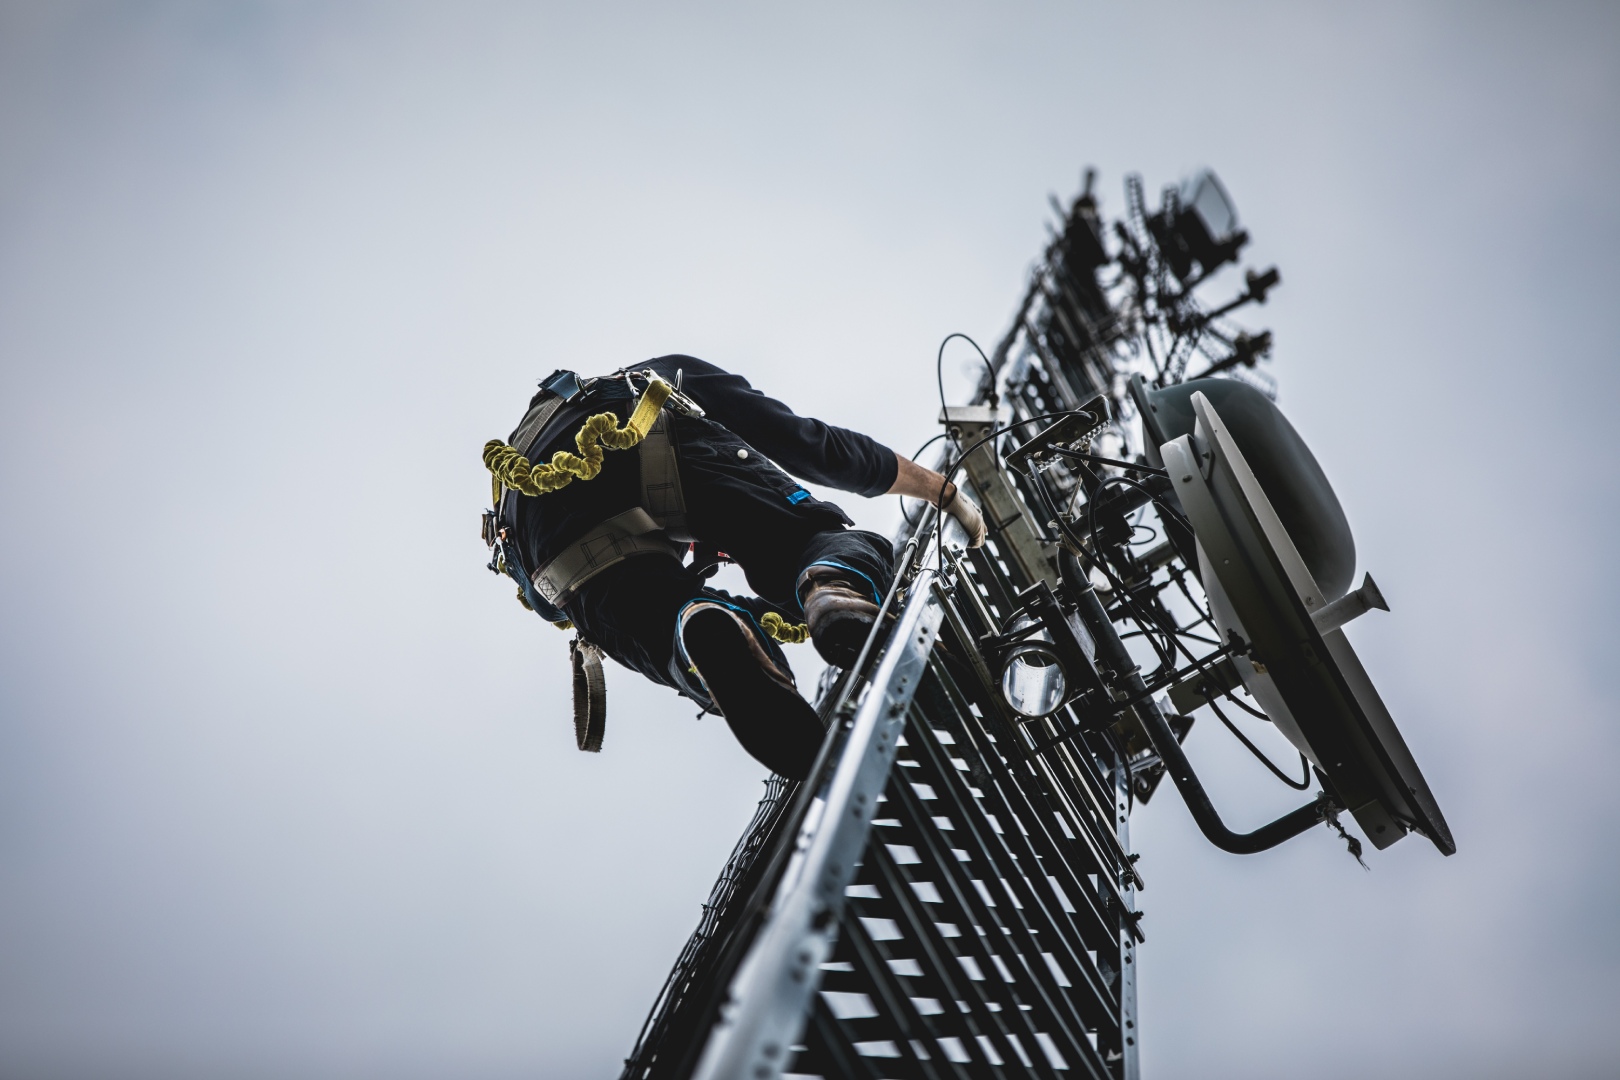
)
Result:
{"points": [[599, 539]]}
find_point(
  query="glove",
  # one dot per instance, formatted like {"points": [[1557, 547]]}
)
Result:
{"points": [[962, 508]]}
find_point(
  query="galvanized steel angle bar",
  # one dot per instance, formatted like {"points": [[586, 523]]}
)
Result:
{"points": [[1008, 737], [1021, 868], [827, 1045], [1130, 1053], [1018, 806], [1064, 795], [895, 999], [1079, 766], [942, 973], [1026, 893], [994, 582], [952, 984], [989, 699], [978, 923], [964, 581], [1084, 773]]}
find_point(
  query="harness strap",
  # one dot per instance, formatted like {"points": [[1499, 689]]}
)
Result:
{"points": [[590, 695], [530, 426], [534, 421], [661, 494], [633, 532]]}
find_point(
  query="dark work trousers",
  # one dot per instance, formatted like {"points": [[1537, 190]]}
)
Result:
{"points": [[762, 519]]}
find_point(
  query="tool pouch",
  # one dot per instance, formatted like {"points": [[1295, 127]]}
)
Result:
{"points": [[590, 695]]}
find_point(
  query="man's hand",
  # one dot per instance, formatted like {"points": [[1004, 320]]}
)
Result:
{"points": [[916, 482]]}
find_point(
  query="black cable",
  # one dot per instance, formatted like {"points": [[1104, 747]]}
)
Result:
{"points": [[930, 442], [1175, 635], [939, 367], [1198, 638], [1246, 708], [1175, 639], [1124, 764], [939, 378], [1204, 617], [1171, 632], [1158, 501], [1203, 613], [1038, 481], [1183, 631], [1297, 785], [1146, 620], [1056, 517], [1166, 657], [1065, 452]]}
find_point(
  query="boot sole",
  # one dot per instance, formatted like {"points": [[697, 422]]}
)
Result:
{"points": [[840, 639], [777, 727]]}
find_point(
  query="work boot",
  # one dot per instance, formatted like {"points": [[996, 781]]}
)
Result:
{"points": [[840, 613], [755, 695]]}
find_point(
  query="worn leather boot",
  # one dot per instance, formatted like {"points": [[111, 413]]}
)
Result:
{"points": [[840, 613], [759, 700]]}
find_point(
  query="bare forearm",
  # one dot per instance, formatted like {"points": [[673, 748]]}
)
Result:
{"points": [[916, 482], [912, 480]]}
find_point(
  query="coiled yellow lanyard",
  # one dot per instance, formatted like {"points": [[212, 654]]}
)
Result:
{"points": [[509, 468]]}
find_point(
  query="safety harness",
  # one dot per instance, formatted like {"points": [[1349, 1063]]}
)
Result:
{"points": [[657, 526]]}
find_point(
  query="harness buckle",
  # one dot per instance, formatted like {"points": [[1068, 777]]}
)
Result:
{"points": [[495, 537], [677, 402], [565, 384]]}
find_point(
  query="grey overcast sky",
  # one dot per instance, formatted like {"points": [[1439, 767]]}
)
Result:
{"points": [[287, 786]]}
